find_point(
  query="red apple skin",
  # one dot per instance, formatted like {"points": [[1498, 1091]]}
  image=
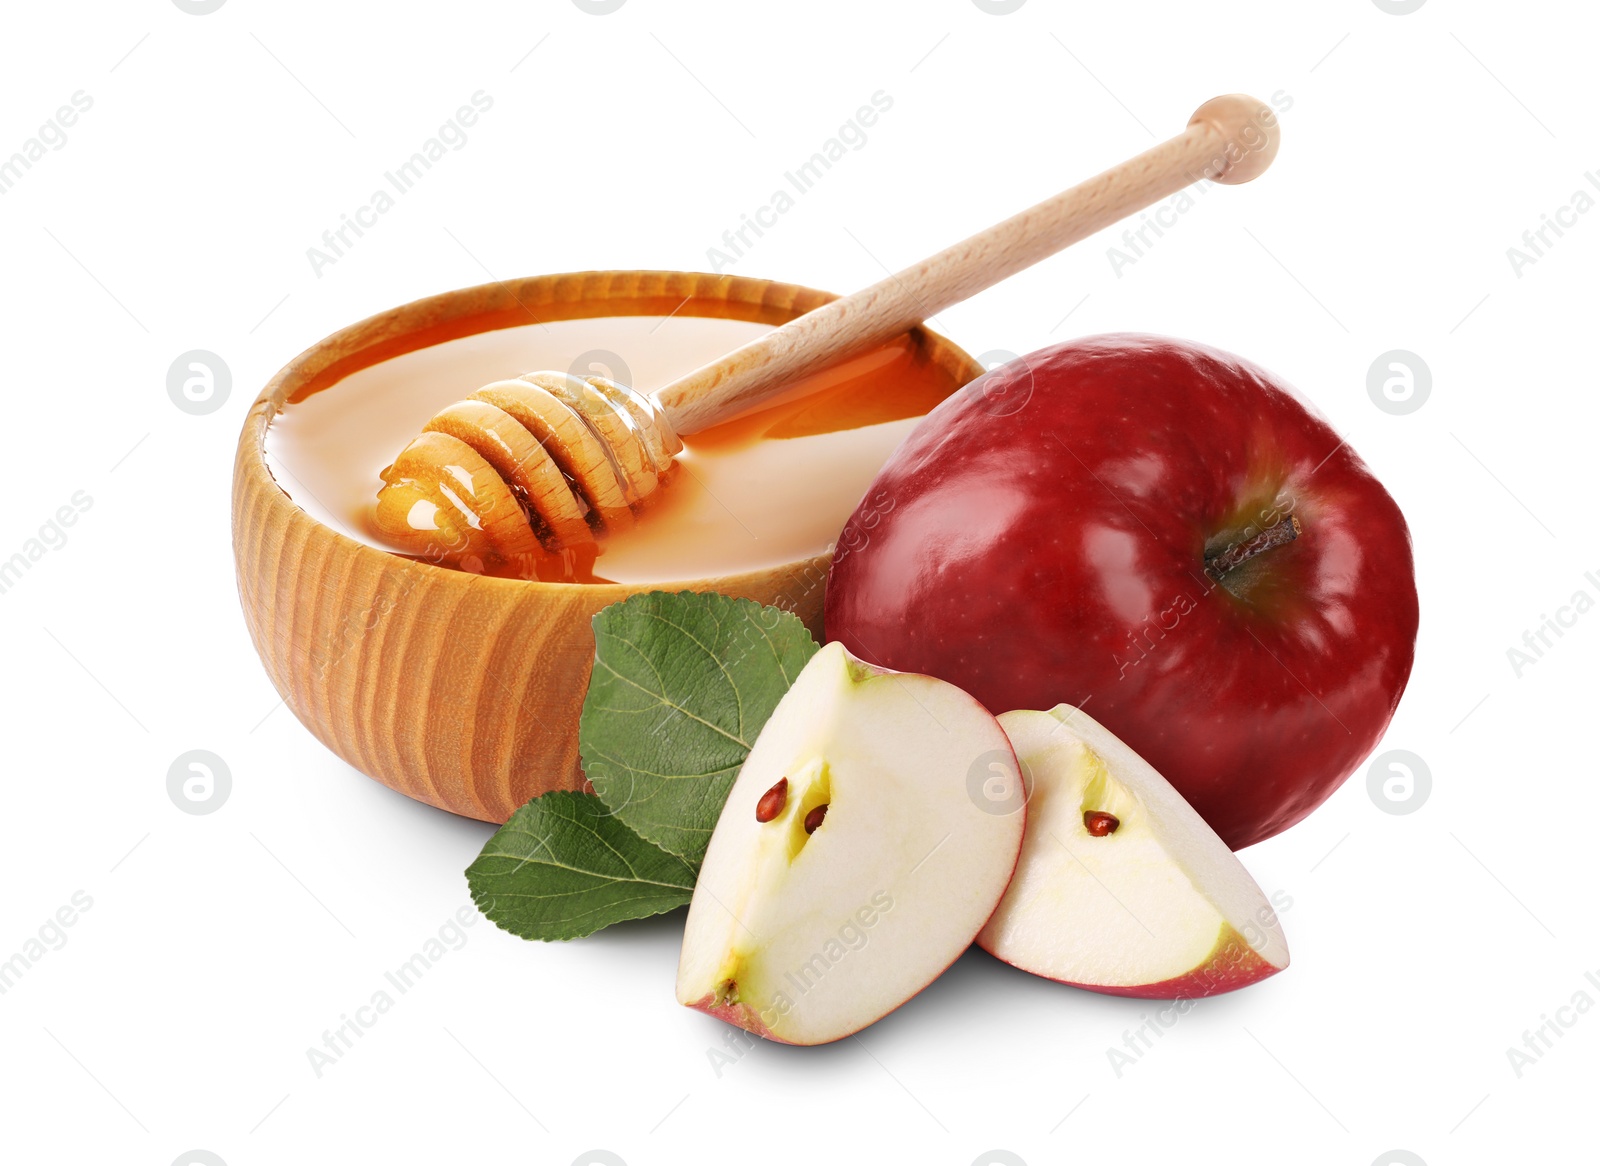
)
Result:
{"points": [[1041, 537], [1232, 964], [749, 1019], [738, 1015]]}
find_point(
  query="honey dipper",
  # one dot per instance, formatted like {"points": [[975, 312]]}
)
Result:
{"points": [[548, 462]]}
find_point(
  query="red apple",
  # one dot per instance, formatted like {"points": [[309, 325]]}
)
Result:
{"points": [[1162, 534]]}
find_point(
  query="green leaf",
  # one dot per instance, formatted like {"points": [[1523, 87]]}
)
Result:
{"points": [[564, 867], [682, 684]]}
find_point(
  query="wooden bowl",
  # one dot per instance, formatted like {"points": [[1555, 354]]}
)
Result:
{"points": [[459, 690]]}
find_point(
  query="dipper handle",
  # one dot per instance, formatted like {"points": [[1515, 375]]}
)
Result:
{"points": [[1229, 139]]}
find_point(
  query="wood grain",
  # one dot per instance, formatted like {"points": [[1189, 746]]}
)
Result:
{"points": [[455, 689]]}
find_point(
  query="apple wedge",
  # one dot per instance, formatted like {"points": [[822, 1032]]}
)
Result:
{"points": [[1122, 887], [871, 832]]}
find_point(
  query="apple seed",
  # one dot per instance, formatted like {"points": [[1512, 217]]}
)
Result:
{"points": [[1099, 823], [814, 818], [773, 801]]}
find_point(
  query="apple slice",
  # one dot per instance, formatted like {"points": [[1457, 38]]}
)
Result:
{"points": [[871, 832], [1122, 887]]}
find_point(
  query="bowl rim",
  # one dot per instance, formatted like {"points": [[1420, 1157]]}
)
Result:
{"points": [[486, 307]]}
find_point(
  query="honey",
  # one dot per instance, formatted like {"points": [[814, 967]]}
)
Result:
{"points": [[773, 486]]}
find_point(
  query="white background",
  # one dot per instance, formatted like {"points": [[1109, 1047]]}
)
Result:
{"points": [[1418, 148]]}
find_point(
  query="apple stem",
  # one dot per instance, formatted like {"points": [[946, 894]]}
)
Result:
{"points": [[1276, 535]]}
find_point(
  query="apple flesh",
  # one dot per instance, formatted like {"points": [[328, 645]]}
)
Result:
{"points": [[1122, 887], [861, 848], [1160, 531]]}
